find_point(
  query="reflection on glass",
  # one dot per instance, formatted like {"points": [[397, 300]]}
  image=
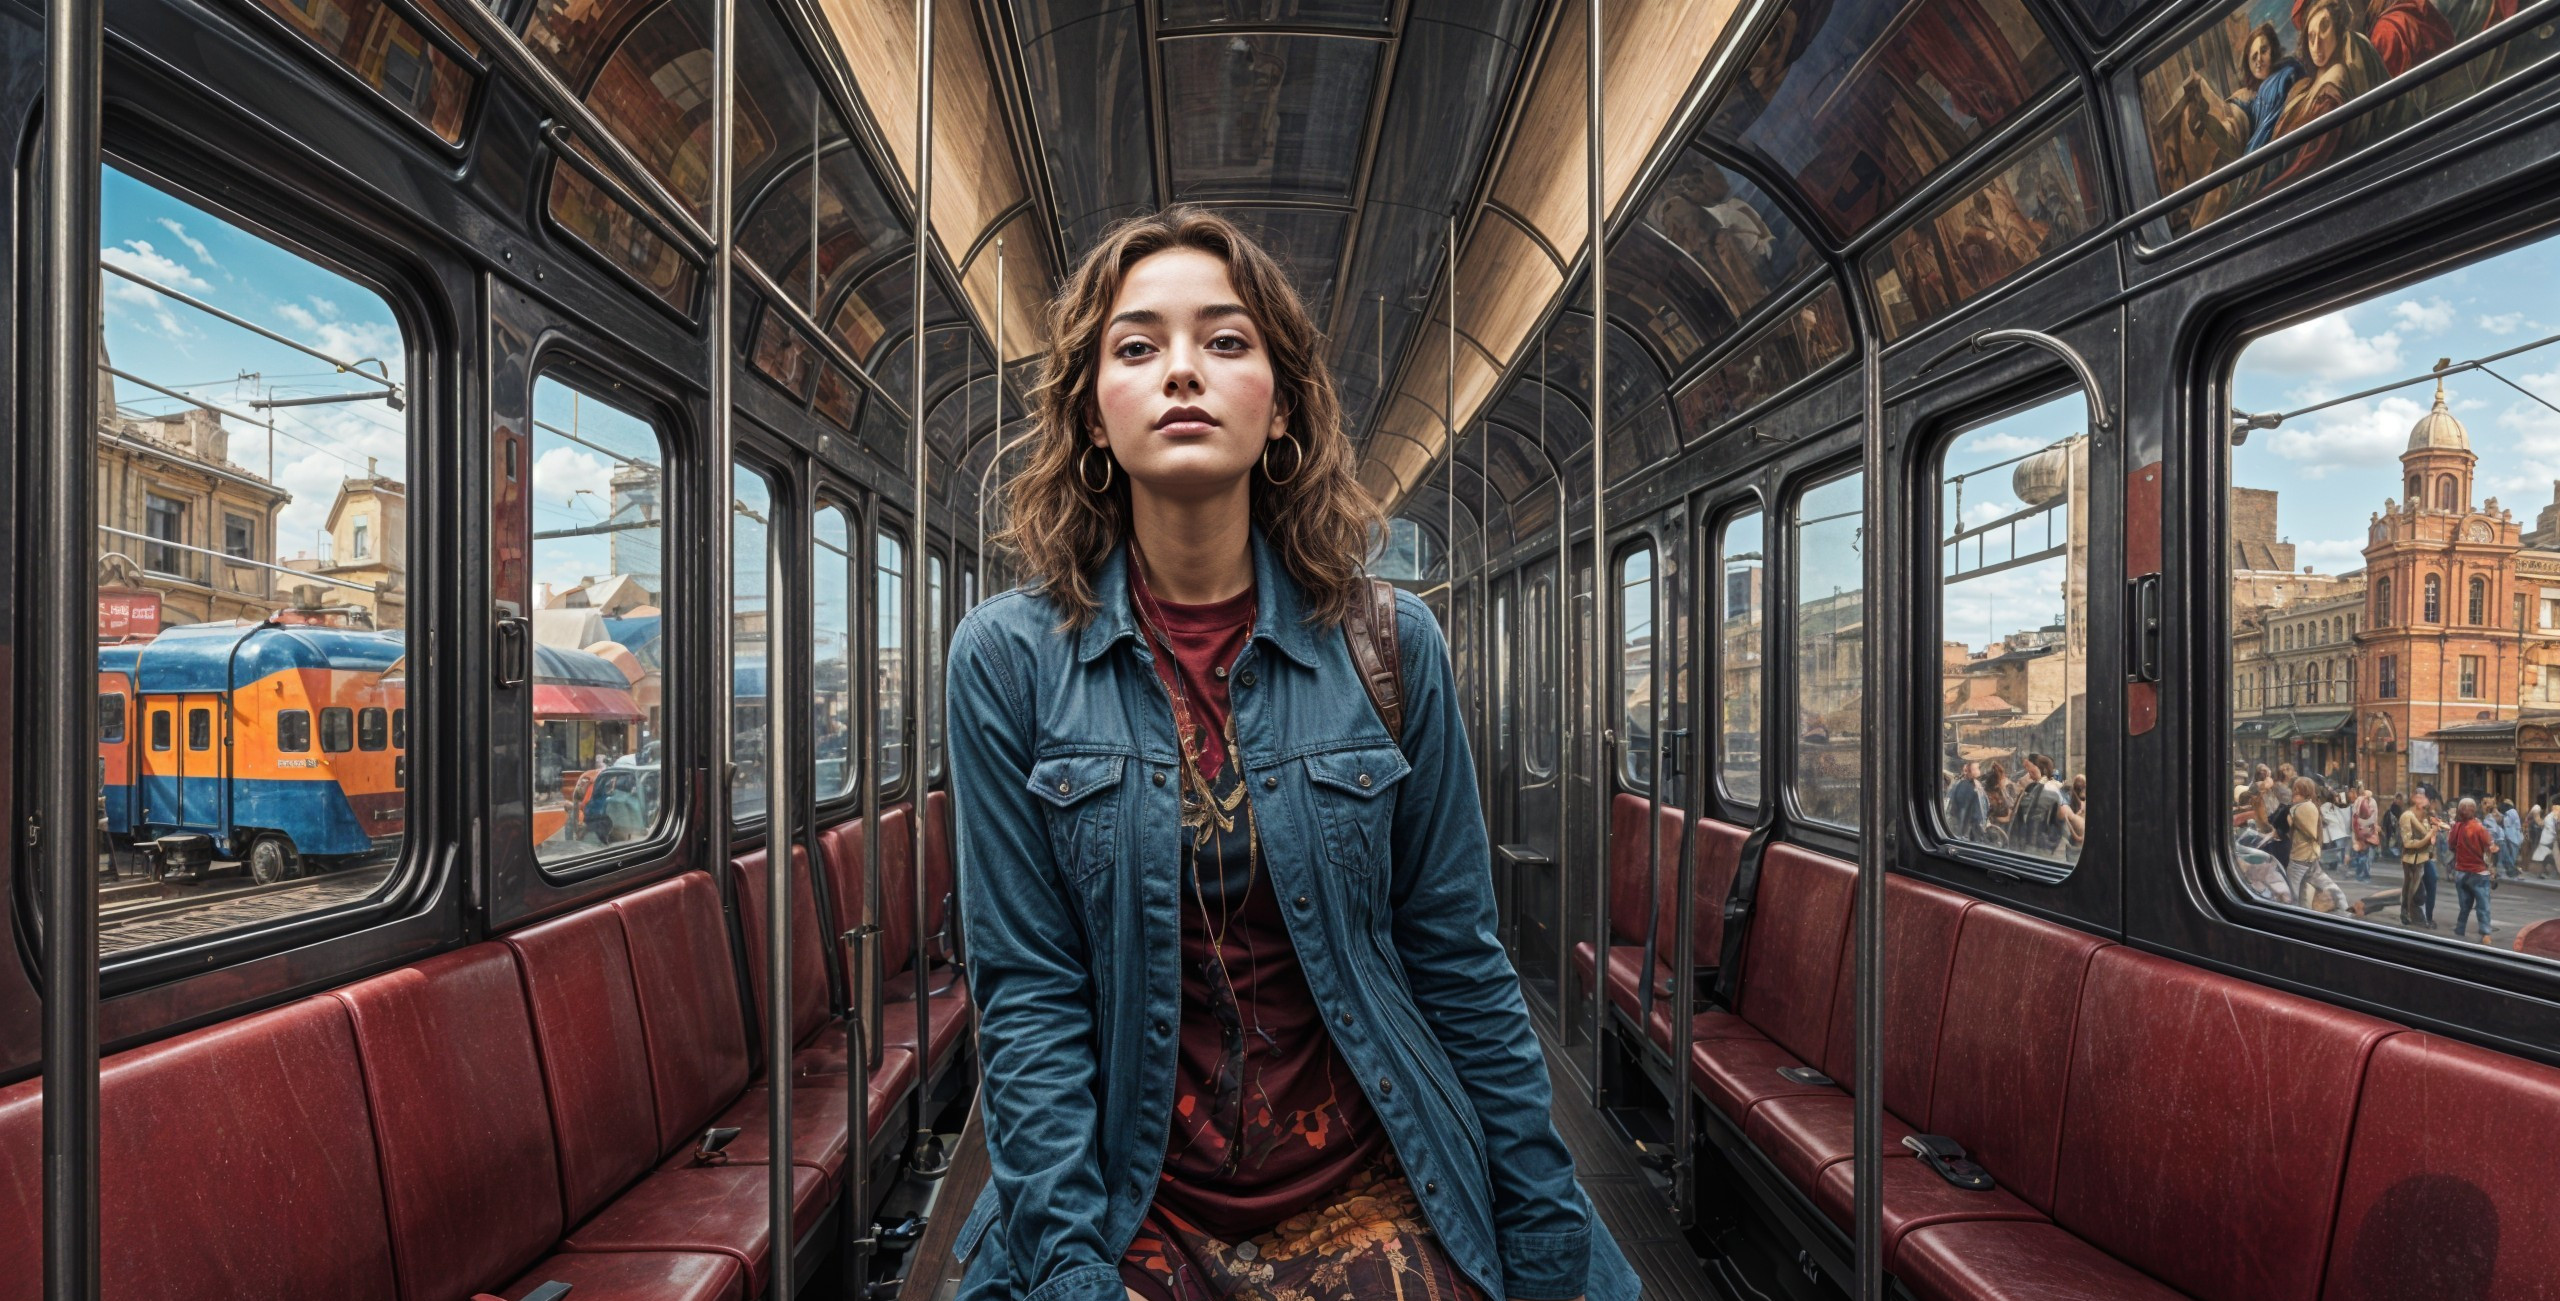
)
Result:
{"points": [[250, 577], [1739, 622], [1406, 553], [751, 662], [2013, 572], [839, 396], [387, 52], [2036, 201], [1860, 104], [2394, 628], [1539, 690], [2259, 72], [598, 491], [1830, 647], [1347, 13], [831, 640], [1266, 115], [619, 236], [1709, 249], [889, 635], [1635, 661], [1503, 633], [933, 587], [782, 356], [1798, 343]]}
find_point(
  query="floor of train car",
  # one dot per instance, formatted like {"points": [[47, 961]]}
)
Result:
{"points": [[1630, 1200]]}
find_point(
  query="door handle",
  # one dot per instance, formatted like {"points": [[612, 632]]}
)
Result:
{"points": [[2145, 651], [513, 654]]}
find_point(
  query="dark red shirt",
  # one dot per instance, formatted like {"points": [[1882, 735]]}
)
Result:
{"points": [[2471, 846], [1267, 1118]]}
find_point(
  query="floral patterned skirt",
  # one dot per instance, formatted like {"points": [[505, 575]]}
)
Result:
{"points": [[1367, 1241]]}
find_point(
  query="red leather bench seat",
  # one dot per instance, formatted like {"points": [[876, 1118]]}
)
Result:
{"points": [[821, 1038], [952, 1014], [1717, 849], [1637, 897], [1800, 920]]}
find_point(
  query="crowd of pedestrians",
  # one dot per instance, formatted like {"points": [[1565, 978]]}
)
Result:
{"points": [[2035, 812], [2299, 836]]}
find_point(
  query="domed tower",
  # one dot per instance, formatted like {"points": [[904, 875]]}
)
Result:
{"points": [[2436, 466]]}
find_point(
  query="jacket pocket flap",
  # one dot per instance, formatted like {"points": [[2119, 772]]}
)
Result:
{"points": [[1069, 778], [1362, 774], [981, 1218]]}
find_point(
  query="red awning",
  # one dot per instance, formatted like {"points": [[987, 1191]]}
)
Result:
{"points": [[599, 704]]}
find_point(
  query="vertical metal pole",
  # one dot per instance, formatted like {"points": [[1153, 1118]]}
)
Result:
{"points": [[993, 458], [1877, 809], [61, 828], [1560, 622], [920, 549], [1684, 941], [1595, 214], [1449, 430]]}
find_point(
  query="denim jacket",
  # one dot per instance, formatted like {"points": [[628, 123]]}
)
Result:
{"points": [[1062, 774]]}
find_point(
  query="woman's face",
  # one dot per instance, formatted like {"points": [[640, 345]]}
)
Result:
{"points": [[2262, 57], [2320, 40], [1183, 382]]}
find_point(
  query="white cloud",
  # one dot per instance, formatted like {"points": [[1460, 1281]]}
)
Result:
{"points": [[194, 245], [561, 473], [2360, 435], [2433, 316], [2005, 444], [140, 258], [319, 326], [2503, 323], [316, 449], [1983, 512], [2331, 555], [2325, 348]]}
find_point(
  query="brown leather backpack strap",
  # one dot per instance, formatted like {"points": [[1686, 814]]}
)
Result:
{"points": [[1371, 634]]}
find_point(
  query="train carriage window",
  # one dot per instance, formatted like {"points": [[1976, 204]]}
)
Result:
{"points": [[232, 554], [2032, 204], [1503, 633], [373, 40], [1635, 668], [373, 728], [889, 635], [111, 719], [337, 730], [599, 501], [2013, 595], [933, 635], [751, 665], [2407, 803], [400, 729], [831, 659], [1539, 689], [1830, 647], [1739, 628]]}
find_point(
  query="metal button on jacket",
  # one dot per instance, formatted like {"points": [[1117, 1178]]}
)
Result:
{"points": [[1364, 779], [1159, 776], [1245, 679], [1271, 783], [1064, 787]]}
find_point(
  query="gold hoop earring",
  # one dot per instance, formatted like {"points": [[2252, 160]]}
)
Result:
{"points": [[1084, 469], [1297, 464]]}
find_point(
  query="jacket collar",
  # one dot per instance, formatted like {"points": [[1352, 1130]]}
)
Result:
{"points": [[1280, 607]]}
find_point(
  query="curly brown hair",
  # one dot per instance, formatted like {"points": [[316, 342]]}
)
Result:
{"points": [[1321, 521]]}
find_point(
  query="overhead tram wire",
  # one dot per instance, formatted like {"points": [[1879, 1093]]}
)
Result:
{"points": [[2242, 421]]}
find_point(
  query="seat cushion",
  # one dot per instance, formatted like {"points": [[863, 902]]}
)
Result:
{"points": [[2016, 1260], [686, 979], [706, 1209], [2004, 1045], [1803, 1135], [1739, 1074], [819, 1133], [595, 1056], [2450, 1187], [1914, 1197], [1800, 918], [950, 1020], [1626, 990], [636, 1276], [825, 1063]]}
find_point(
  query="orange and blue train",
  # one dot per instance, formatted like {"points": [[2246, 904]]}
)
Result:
{"points": [[276, 741]]}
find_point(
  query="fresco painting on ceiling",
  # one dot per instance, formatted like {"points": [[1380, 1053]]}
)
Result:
{"points": [[1861, 103], [2253, 78], [1805, 339], [781, 355], [618, 235], [836, 395], [1709, 249], [2035, 202]]}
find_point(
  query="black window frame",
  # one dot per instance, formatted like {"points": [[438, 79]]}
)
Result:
{"points": [[199, 729], [161, 739], [337, 724], [293, 731], [1719, 524], [111, 716], [373, 729]]}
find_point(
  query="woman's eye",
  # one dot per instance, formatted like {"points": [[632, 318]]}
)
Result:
{"points": [[1228, 343], [1131, 348]]}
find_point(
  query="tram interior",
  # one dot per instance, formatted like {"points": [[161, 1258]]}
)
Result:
{"points": [[1975, 815]]}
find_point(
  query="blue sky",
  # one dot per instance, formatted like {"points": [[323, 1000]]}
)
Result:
{"points": [[2334, 468], [1978, 611], [572, 485], [154, 234]]}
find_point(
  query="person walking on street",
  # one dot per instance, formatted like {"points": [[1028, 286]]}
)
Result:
{"points": [[2543, 848], [2368, 833], [2311, 886], [1965, 813], [2472, 847], [2337, 831], [2511, 839], [2417, 856]]}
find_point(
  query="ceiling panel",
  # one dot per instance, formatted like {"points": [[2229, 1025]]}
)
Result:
{"points": [[1028, 281], [1087, 81], [1266, 116], [1307, 242], [1372, 15]]}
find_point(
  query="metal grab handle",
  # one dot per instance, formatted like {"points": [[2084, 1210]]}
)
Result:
{"points": [[513, 654]]}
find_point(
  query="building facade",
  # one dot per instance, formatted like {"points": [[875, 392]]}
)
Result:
{"points": [[181, 528]]}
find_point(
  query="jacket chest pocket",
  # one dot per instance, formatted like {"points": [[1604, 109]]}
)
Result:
{"points": [[1080, 791], [1350, 792]]}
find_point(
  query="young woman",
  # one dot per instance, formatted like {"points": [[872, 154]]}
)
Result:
{"points": [[1246, 1026]]}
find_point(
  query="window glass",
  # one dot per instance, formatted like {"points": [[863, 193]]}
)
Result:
{"points": [[1709, 248], [386, 51], [831, 634], [627, 243], [2013, 604], [1635, 668], [1503, 633], [110, 719], [598, 494], [227, 553], [337, 730], [373, 728], [2250, 77], [751, 665], [889, 634], [1830, 647], [1406, 553], [400, 729], [933, 666], [2036, 201], [1739, 627], [2385, 506], [1862, 104], [1538, 616], [1803, 339]]}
